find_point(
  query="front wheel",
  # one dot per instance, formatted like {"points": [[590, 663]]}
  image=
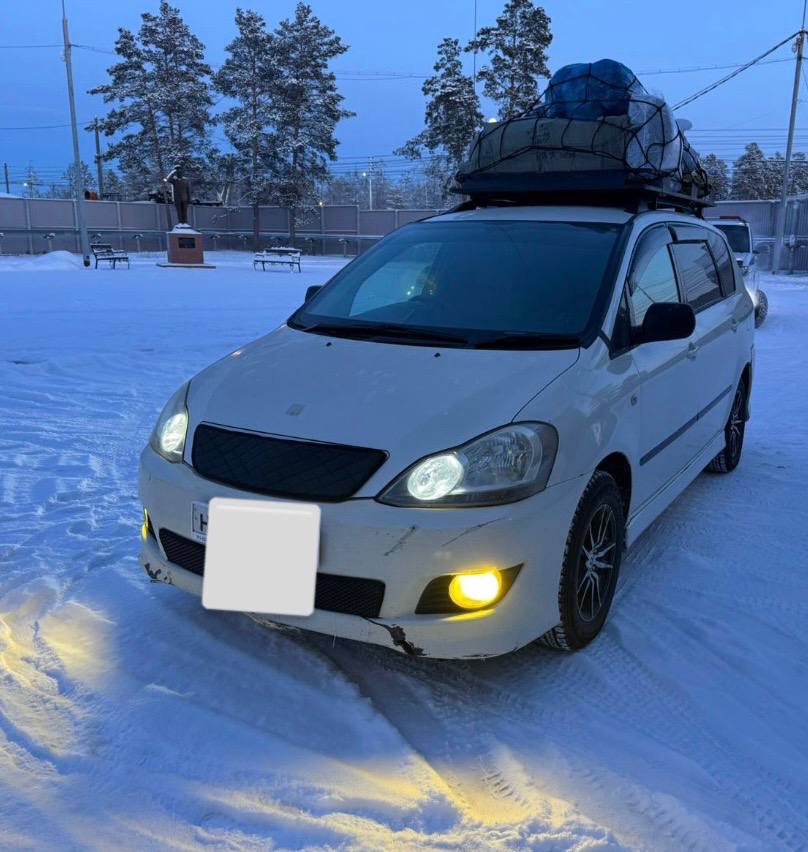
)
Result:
{"points": [[762, 309], [591, 565], [727, 460]]}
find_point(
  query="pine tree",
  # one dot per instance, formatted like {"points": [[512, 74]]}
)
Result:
{"points": [[750, 174], [395, 197], [774, 169], [114, 187], [799, 174], [452, 116], [414, 191], [69, 187], [718, 173], [161, 98], [247, 76], [517, 47], [306, 108]]}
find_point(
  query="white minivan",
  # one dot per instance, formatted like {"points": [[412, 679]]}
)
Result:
{"points": [[488, 407]]}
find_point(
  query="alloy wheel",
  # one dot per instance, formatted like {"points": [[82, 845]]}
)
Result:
{"points": [[596, 563], [735, 426]]}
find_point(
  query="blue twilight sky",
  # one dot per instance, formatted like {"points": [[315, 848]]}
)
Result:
{"points": [[392, 36]]}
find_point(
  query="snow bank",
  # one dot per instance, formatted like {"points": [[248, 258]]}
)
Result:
{"points": [[131, 718], [52, 261]]}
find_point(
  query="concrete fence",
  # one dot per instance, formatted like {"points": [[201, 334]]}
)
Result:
{"points": [[35, 225]]}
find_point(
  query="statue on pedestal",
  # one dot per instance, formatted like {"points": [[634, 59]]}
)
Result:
{"points": [[181, 190], [185, 245]]}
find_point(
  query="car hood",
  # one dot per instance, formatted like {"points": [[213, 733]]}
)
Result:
{"points": [[407, 400]]}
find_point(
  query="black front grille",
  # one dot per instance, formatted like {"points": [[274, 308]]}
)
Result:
{"points": [[184, 552], [333, 592], [282, 467]]}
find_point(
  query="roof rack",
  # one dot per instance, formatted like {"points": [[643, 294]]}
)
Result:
{"points": [[634, 191]]}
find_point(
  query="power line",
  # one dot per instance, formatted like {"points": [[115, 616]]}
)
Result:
{"points": [[695, 68], [41, 126], [735, 73]]}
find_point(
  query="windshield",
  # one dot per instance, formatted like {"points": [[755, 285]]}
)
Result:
{"points": [[472, 283], [737, 236]]}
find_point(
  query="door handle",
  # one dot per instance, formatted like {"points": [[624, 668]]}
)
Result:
{"points": [[692, 350], [734, 324]]}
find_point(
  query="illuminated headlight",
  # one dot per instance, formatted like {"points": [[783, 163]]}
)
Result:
{"points": [[499, 467], [168, 437], [435, 477]]}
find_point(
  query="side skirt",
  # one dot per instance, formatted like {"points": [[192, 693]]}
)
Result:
{"points": [[648, 513]]}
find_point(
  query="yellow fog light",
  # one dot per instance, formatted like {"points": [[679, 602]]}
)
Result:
{"points": [[144, 528], [475, 589]]}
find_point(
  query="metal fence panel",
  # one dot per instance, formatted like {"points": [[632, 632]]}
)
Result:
{"points": [[342, 219], [140, 216], [12, 213], [51, 213], [407, 216], [759, 214], [141, 226]]}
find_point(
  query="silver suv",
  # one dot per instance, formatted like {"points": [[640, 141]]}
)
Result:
{"points": [[739, 236]]}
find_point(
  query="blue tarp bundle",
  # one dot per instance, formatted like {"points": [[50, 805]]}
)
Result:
{"points": [[589, 90]]}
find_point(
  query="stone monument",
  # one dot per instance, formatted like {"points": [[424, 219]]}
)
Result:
{"points": [[185, 245]]}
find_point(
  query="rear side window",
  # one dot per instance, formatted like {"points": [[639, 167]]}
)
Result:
{"points": [[652, 278], [738, 236], [724, 263], [698, 274]]}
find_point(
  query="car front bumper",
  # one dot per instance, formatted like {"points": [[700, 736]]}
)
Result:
{"points": [[405, 549]]}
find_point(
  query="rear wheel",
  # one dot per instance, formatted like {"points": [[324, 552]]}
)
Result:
{"points": [[591, 565], [727, 460], [762, 309]]}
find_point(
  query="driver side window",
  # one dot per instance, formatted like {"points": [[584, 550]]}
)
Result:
{"points": [[652, 277]]}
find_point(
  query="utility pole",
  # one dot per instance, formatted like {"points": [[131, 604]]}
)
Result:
{"points": [[98, 167], [781, 210], [78, 186], [5, 172], [474, 53]]}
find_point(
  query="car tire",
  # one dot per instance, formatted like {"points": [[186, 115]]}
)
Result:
{"points": [[762, 309], [592, 557], [728, 459]]}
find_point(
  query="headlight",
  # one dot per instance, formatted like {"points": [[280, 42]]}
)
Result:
{"points": [[502, 466], [168, 437]]}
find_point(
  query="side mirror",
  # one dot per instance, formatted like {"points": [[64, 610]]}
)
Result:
{"points": [[755, 251], [311, 291], [666, 321]]}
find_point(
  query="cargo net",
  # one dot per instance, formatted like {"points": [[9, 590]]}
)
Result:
{"points": [[592, 117]]}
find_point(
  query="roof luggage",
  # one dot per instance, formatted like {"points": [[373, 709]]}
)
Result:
{"points": [[595, 128]]}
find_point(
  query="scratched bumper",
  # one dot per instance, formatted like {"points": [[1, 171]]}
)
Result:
{"points": [[405, 549]]}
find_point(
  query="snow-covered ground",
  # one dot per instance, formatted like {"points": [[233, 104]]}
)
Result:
{"points": [[130, 718]]}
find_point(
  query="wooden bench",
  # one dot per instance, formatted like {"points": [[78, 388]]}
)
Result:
{"points": [[104, 251], [278, 256]]}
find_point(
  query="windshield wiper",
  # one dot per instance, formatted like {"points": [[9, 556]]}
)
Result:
{"points": [[378, 330], [415, 332], [528, 340]]}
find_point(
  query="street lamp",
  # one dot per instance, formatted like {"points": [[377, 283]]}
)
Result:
{"points": [[369, 176]]}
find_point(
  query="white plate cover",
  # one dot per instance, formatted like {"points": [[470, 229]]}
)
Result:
{"points": [[261, 556]]}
